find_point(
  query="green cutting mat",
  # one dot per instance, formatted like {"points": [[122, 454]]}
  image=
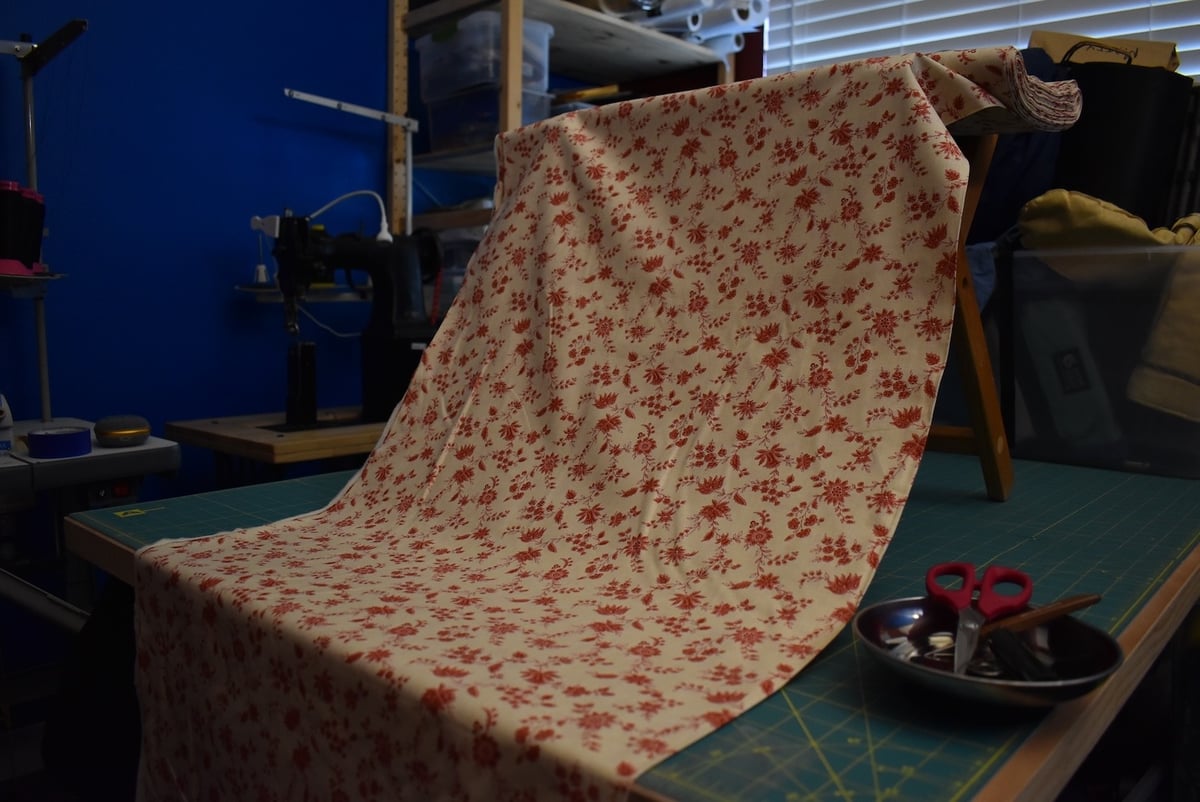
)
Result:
{"points": [[844, 729], [138, 525]]}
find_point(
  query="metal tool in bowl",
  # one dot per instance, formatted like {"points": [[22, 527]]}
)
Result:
{"points": [[977, 601], [1080, 655]]}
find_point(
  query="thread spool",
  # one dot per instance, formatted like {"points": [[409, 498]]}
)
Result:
{"points": [[22, 215], [30, 242]]}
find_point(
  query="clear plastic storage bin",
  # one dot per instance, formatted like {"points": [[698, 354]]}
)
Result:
{"points": [[1106, 358], [473, 117], [468, 56]]}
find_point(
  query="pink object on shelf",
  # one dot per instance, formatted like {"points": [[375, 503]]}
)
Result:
{"points": [[11, 267]]}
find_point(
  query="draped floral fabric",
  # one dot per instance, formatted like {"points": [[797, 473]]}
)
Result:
{"points": [[642, 476]]}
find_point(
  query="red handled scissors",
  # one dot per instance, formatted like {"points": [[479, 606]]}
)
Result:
{"points": [[974, 611]]}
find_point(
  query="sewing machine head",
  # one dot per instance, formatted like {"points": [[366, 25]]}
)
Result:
{"points": [[306, 254], [301, 253]]}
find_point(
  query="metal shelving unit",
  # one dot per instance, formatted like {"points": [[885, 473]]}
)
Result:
{"points": [[33, 58]]}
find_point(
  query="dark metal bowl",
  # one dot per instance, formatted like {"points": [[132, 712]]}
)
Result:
{"points": [[914, 637]]}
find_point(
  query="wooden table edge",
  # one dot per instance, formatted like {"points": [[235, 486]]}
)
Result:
{"points": [[1045, 762], [112, 557], [246, 437]]}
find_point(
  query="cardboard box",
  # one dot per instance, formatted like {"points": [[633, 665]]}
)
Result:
{"points": [[1143, 52]]}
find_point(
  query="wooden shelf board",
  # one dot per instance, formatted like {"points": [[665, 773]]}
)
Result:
{"points": [[587, 45]]}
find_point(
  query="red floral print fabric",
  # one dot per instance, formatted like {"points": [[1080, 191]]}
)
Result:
{"points": [[643, 475]]}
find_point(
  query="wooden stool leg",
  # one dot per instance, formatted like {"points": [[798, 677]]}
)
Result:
{"points": [[985, 436]]}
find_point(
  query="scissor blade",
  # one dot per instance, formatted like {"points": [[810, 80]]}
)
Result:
{"points": [[966, 639]]}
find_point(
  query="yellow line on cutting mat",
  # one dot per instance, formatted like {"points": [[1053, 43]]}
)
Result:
{"points": [[862, 694], [1136, 604], [136, 511], [816, 747], [986, 767]]}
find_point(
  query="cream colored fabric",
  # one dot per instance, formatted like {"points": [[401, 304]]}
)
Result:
{"points": [[643, 475]]}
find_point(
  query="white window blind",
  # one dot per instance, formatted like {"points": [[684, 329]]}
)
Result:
{"points": [[810, 33]]}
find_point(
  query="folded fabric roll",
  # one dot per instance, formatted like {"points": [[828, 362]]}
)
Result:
{"points": [[1012, 100]]}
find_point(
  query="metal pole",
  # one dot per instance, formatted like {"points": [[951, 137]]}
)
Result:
{"points": [[407, 123], [408, 182], [39, 303], [33, 58], [30, 140], [43, 352]]}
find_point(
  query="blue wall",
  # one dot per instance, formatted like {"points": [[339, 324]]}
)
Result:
{"points": [[160, 132]]}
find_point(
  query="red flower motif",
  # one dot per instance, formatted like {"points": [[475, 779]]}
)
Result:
{"points": [[844, 583], [538, 676], [714, 510], [596, 720], [485, 751], [645, 649], [437, 699], [770, 457], [718, 718]]}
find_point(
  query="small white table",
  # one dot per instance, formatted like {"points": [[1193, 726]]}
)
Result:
{"points": [[103, 477]]}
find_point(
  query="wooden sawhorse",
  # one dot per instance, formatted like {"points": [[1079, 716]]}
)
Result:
{"points": [[985, 436]]}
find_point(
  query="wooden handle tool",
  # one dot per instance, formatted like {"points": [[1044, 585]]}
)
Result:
{"points": [[1040, 615]]}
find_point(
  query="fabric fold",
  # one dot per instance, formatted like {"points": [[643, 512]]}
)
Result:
{"points": [[1011, 100]]}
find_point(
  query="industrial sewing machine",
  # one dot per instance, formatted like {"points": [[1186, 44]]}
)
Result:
{"points": [[398, 327]]}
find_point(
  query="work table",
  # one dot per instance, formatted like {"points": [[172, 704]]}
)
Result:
{"points": [[844, 726]]}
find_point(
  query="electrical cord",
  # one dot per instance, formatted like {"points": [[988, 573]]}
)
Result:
{"points": [[326, 327], [384, 234]]}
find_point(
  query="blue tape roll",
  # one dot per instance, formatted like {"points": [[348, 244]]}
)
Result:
{"points": [[59, 442]]}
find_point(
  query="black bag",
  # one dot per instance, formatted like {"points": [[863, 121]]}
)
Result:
{"points": [[1124, 147]]}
